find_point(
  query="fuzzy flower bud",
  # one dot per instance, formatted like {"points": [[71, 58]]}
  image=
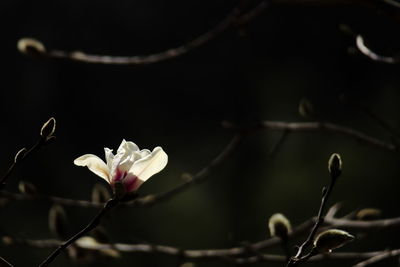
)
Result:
{"points": [[100, 194], [306, 108], [368, 214], [30, 46], [48, 128], [335, 165], [332, 239], [279, 226], [27, 188], [20, 155], [58, 221]]}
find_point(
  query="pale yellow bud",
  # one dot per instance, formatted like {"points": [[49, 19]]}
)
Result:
{"points": [[332, 239], [58, 221], [368, 214], [48, 128], [335, 165], [26, 188], [279, 226], [20, 155], [100, 194], [30, 46], [306, 108]]}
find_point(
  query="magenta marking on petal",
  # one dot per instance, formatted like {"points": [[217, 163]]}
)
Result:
{"points": [[118, 176], [131, 183]]}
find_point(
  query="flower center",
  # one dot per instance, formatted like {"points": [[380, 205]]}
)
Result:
{"points": [[119, 175]]}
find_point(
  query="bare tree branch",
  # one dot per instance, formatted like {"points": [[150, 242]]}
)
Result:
{"points": [[371, 54], [5, 263], [379, 257], [325, 126], [231, 254], [90, 226], [236, 16], [364, 225], [197, 178], [24, 153]]}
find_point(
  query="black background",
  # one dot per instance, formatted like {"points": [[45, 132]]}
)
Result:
{"points": [[257, 72]]}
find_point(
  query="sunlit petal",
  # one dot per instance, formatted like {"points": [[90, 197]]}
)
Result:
{"points": [[144, 153], [150, 165], [109, 157], [95, 164], [127, 147]]}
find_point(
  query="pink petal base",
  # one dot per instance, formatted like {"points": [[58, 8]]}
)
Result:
{"points": [[131, 182]]}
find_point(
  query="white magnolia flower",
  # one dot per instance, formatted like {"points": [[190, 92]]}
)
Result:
{"points": [[130, 166]]}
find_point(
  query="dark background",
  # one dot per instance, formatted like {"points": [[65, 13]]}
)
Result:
{"points": [[257, 72]]}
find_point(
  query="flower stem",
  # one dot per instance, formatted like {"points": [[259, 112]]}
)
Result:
{"points": [[93, 224]]}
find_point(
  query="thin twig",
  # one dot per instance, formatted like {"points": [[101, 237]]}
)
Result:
{"points": [[380, 257], [5, 263], [22, 154], [93, 224], [197, 178], [275, 149], [149, 248], [320, 257], [380, 121], [288, 127], [325, 126], [252, 14], [235, 16], [334, 171], [230, 254], [53, 199], [393, 3], [364, 225], [371, 54], [152, 58]]}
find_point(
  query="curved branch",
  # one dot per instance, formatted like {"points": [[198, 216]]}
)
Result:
{"points": [[364, 225], [379, 257], [236, 16], [25, 153], [233, 254], [325, 126], [230, 254], [4, 263], [110, 204], [371, 54], [197, 178]]}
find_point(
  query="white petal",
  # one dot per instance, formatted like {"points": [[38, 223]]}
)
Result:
{"points": [[141, 154], [109, 157], [150, 165], [144, 153], [127, 147], [122, 161], [95, 164], [125, 157]]}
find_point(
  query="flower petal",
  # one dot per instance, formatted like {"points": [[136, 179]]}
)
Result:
{"points": [[124, 158], [109, 157], [141, 154], [131, 182], [127, 147], [150, 165], [95, 164], [144, 152]]}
